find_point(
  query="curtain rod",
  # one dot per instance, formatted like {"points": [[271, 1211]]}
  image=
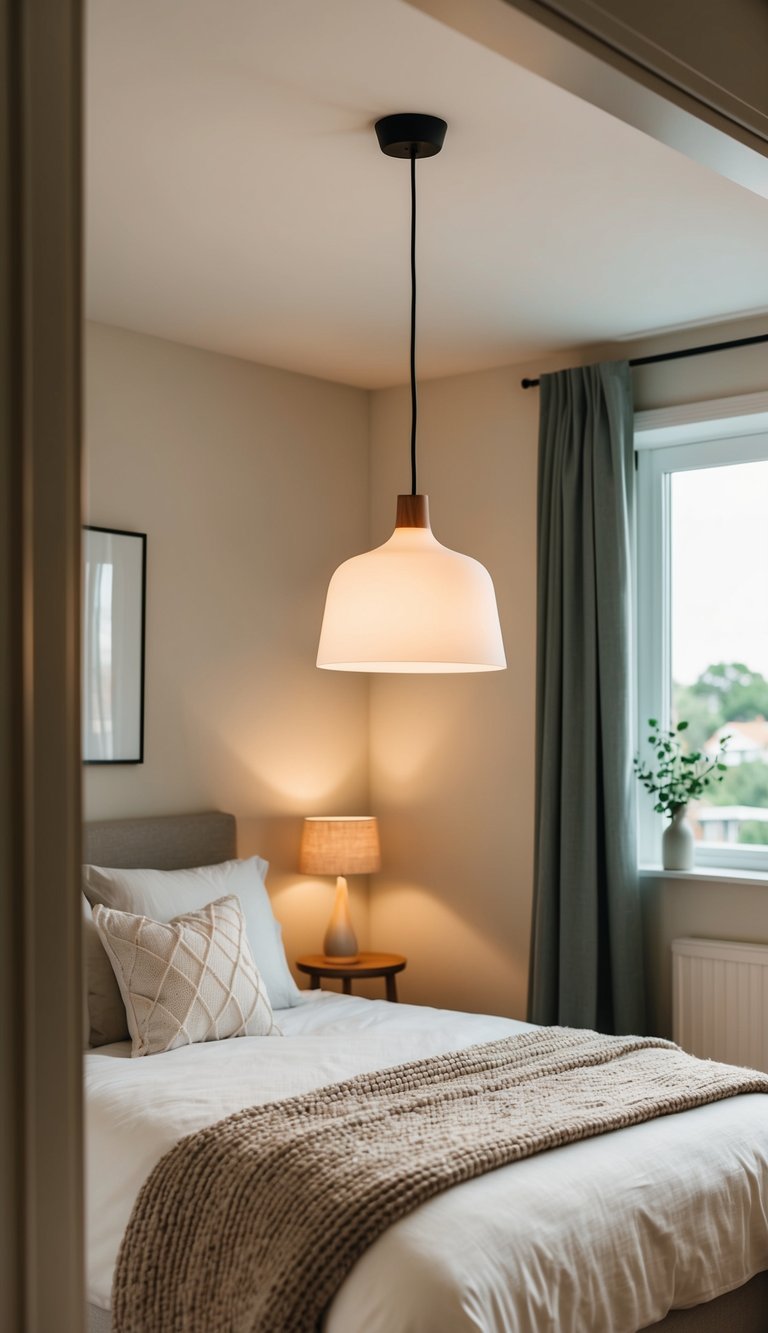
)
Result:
{"points": [[677, 356]]}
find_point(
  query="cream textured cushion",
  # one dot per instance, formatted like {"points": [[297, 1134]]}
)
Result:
{"points": [[186, 980], [165, 894]]}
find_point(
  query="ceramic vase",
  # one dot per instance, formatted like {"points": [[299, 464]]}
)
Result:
{"points": [[677, 843]]}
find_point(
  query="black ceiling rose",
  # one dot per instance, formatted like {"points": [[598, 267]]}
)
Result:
{"points": [[410, 135]]}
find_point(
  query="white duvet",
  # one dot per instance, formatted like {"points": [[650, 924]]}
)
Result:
{"points": [[603, 1236]]}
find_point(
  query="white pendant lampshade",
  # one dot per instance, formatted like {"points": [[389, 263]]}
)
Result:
{"points": [[411, 605]]}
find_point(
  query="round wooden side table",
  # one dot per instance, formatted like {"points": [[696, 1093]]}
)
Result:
{"points": [[384, 965]]}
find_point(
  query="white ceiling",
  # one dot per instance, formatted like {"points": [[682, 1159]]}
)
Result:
{"points": [[236, 198]]}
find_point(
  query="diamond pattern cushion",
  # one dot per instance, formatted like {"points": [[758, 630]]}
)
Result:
{"points": [[188, 980]]}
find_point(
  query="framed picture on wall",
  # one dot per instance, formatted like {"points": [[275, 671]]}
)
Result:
{"points": [[114, 594]]}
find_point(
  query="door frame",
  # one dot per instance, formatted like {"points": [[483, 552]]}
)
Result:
{"points": [[41, 1008]]}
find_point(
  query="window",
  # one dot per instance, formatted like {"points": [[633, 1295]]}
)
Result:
{"points": [[702, 616]]}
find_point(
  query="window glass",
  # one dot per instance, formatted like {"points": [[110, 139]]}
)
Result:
{"points": [[719, 641]]}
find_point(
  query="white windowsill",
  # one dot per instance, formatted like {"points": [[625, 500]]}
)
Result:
{"points": [[716, 874]]}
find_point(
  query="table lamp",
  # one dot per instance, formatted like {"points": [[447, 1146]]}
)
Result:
{"points": [[340, 845]]}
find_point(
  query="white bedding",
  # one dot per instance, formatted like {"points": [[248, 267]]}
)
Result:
{"points": [[605, 1235]]}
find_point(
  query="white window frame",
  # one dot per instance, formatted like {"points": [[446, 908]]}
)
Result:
{"points": [[713, 434]]}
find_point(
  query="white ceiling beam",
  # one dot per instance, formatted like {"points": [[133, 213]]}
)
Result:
{"points": [[708, 123]]}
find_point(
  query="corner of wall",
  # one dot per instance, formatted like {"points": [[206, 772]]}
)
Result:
{"points": [[252, 485]]}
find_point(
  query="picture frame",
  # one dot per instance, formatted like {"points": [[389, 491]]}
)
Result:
{"points": [[113, 645]]}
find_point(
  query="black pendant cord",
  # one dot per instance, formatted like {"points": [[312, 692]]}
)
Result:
{"points": [[414, 402], [411, 135]]}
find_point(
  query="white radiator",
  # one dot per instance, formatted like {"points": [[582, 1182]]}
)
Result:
{"points": [[720, 1000]]}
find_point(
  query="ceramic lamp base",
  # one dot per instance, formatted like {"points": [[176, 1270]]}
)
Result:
{"points": [[340, 943]]}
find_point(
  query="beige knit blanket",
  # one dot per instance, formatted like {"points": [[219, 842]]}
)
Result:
{"points": [[253, 1223]]}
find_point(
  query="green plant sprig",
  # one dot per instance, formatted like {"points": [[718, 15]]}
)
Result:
{"points": [[680, 777]]}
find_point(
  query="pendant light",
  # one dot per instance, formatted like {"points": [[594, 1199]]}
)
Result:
{"points": [[411, 605]]}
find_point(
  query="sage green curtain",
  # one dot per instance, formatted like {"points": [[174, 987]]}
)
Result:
{"points": [[586, 948]]}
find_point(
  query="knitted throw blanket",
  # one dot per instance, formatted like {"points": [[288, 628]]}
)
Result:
{"points": [[253, 1223]]}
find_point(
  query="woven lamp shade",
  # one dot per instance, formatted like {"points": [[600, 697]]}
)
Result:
{"points": [[339, 845]]}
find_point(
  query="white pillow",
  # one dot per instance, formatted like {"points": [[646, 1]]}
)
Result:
{"points": [[189, 980], [164, 894]]}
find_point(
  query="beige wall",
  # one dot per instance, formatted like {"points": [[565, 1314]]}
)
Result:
{"points": [[452, 755], [251, 484], [452, 758]]}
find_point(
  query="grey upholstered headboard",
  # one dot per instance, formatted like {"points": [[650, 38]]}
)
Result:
{"points": [[161, 842]]}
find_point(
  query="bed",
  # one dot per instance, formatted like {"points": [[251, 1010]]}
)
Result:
{"points": [[607, 1235]]}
